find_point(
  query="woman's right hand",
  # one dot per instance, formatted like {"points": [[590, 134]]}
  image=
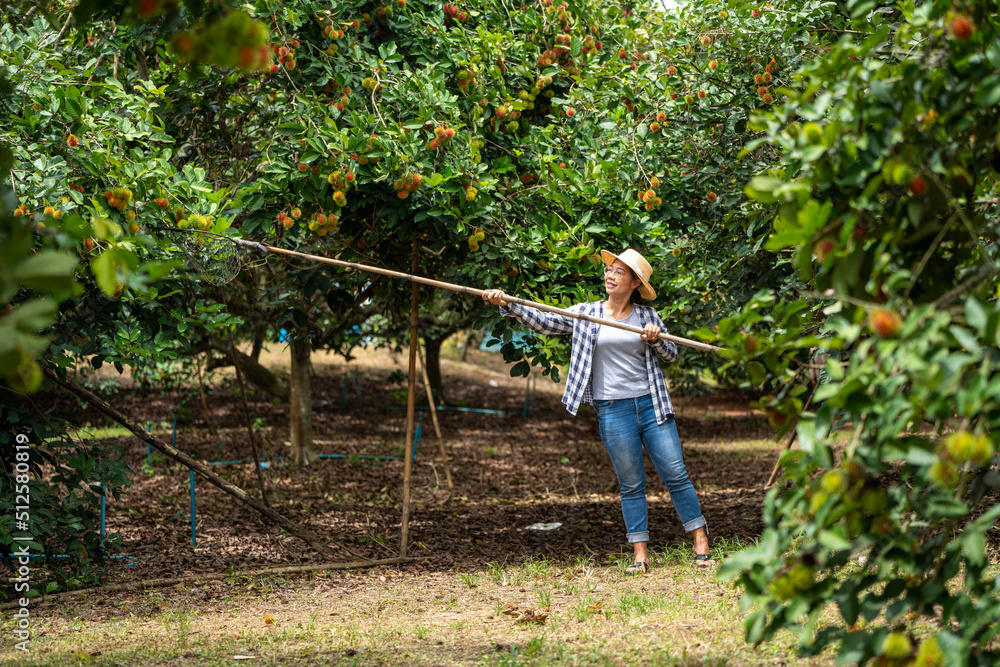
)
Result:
{"points": [[495, 296]]}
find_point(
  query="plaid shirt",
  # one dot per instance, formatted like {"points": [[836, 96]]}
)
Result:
{"points": [[579, 385]]}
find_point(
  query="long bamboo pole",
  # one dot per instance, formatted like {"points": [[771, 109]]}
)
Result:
{"points": [[411, 411], [263, 247]]}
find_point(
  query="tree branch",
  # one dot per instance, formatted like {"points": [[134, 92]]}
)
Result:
{"points": [[158, 583], [203, 470]]}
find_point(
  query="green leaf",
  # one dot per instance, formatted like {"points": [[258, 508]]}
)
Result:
{"points": [[762, 188], [833, 540], [73, 108], [33, 315], [47, 271], [289, 129], [520, 369], [974, 546], [104, 267], [944, 507], [966, 339], [847, 600], [988, 94], [813, 153], [920, 456], [6, 162], [84, 10], [754, 626], [106, 229], [882, 92], [757, 372], [976, 315], [156, 270]]}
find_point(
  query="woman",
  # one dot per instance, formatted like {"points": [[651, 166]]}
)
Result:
{"points": [[617, 372]]}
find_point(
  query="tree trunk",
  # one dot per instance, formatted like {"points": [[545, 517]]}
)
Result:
{"points": [[258, 344], [300, 403], [433, 359], [470, 340], [257, 374]]}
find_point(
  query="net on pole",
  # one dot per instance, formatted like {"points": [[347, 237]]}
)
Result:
{"points": [[214, 257]]}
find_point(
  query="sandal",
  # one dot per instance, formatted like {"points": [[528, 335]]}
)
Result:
{"points": [[638, 567], [703, 560]]}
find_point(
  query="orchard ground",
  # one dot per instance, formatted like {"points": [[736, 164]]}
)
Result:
{"points": [[484, 588]]}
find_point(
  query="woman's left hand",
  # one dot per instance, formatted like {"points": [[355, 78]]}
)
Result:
{"points": [[650, 332]]}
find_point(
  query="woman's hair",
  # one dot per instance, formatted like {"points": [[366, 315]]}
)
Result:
{"points": [[636, 297]]}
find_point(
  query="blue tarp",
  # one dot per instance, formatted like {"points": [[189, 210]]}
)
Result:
{"points": [[518, 335]]}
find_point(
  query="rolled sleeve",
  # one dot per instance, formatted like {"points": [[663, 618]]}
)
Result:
{"points": [[664, 349]]}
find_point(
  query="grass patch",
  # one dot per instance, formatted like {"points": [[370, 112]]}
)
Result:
{"points": [[590, 615], [91, 432]]}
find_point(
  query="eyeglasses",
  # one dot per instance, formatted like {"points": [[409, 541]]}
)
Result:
{"points": [[616, 272]]}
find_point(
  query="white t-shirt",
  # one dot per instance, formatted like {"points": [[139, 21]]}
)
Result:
{"points": [[619, 362]]}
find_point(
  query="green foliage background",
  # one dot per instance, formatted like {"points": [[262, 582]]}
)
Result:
{"points": [[824, 180]]}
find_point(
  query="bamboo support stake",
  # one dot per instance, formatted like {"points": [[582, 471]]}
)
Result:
{"points": [[246, 415], [434, 417], [411, 411], [204, 398]]}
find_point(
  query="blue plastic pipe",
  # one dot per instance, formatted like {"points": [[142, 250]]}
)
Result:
{"points": [[226, 463], [416, 436], [104, 496], [358, 456], [441, 408]]}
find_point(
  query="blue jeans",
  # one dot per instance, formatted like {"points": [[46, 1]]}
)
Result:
{"points": [[626, 426]]}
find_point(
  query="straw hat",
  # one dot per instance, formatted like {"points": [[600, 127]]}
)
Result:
{"points": [[640, 267]]}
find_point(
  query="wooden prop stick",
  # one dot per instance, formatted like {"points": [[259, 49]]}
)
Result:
{"points": [[791, 441], [777, 464], [246, 414], [200, 468], [262, 247], [411, 412], [434, 418]]}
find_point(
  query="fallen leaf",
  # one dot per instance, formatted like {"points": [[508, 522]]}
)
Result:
{"points": [[531, 616]]}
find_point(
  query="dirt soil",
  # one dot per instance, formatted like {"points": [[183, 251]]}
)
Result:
{"points": [[534, 463]]}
